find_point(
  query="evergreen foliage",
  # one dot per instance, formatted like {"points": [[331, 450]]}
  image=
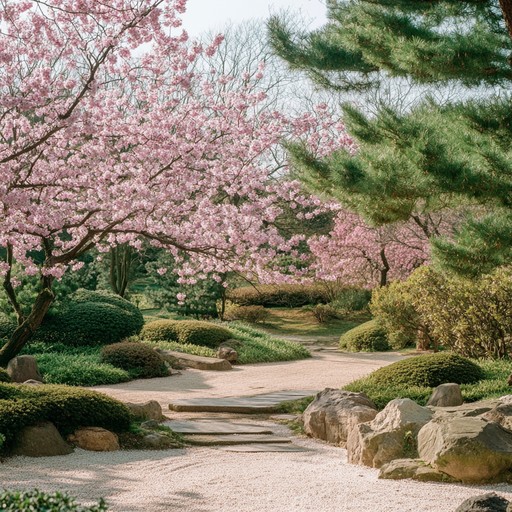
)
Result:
{"points": [[31, 501], [367, 337], [434, 155]]}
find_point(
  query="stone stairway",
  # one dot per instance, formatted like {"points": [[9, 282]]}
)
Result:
{"points": [[230, 434]]}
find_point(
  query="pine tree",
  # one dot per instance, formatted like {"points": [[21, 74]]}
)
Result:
{"points": [[436, 155]]}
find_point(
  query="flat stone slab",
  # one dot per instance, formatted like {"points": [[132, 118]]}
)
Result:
{"points": [[232, 440], [265, 403], [257, 448], [197, 362], [209, 427]]}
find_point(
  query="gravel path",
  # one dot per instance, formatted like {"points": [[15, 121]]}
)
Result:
{"points": [[210, 480]]}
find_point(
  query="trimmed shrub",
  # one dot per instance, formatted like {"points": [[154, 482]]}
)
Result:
{"points": [[194, 332], [251, 314], [323, 313], [66, 407], [33, 501], [284, 296], [367, 337], [4, 376], [91, 318], [428, 370], [140, 360]]}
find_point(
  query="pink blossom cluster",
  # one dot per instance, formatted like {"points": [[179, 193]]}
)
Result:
{"points": [[109, 136]]}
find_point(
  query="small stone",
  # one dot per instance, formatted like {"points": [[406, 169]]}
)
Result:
{"points": [[489, 502], [446, 395], [95, 439], [150, 410], [150, 424], [227, 353], [23, 368], [42, 440]]}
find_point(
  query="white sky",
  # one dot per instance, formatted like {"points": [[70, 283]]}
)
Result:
{"points": [[206, 15]]}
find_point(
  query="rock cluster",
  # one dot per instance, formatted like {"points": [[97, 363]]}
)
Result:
{"points": [[470, 443]]}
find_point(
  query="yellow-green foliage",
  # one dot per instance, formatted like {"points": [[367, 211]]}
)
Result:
{"points": [[251, 314], [31, 501], [140, 360], [429, 370], [287, 296], [194, 332], [367, 337], [68, 408], [4, 376]]}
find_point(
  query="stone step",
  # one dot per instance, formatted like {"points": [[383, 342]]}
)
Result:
{"points": [[196, 362], [232, 440], [258, 448], [209, 427], [267, 403]]}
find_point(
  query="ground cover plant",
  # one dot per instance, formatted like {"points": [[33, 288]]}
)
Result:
{"points": [[39, 501]]}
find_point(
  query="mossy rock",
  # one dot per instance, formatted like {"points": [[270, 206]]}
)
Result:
{"points": [[367, 337], [428, 370], [194, 332], [140, 360]]}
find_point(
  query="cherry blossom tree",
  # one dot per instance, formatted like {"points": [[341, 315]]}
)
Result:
{"points": [[358, 254], [108, 136]]}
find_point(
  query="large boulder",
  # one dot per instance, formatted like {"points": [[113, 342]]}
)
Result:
{"points": [[334, 413], [415, 469], [501, 413], [23, 368], [489, 502], [446, 395], [150, 410], [468, 448], [95, 439], [42, 440], [390, 435]]}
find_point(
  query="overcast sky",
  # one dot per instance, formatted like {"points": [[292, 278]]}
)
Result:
{"points": [[206, 15]]}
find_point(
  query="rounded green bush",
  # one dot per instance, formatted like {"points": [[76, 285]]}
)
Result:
{"points": [[30, 501], [66, 407], [4, 376], [194, 332], [140, 360], [367, 337], [428, 370], [91, 318]]}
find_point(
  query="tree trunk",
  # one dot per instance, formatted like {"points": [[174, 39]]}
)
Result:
{"points": [[385, 268], [121, 261], [24, 332], [506, 8]]}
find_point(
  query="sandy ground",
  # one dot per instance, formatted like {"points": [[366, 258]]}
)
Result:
{"points": [[210, 480]]}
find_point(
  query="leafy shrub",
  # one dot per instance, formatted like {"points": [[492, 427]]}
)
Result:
{"points": [[140, 360], [251, 314], [366, 337], [429, 370], [351, 299], [68, 408], [323, 313], [287, 296], [4, 376], [33, 501], [471, 317], [91, 318], [7, 326], [186, 331]]}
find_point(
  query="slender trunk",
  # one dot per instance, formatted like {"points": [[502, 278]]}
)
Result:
{"points": [[120, 266], [24, 332], [385, 268], [506, 8]]}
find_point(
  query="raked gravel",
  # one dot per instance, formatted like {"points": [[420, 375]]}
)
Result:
{"points": [[210, 480]]}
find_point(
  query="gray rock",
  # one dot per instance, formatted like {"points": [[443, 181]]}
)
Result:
{"points": [[446, 395], [23, 368], [150, 410], [501, 414], [469, 449], [42, 440], [414, 469], [197, 362], [489, 502], [156, 441], [334, 413], [391, 435]]}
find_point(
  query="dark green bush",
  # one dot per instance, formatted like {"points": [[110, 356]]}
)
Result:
{"points": [[428, 370], [7, 326], [367, 337], [352, 299], [91, 318], [38, 501], [284, 296], [4, 376], [194, 332], [68, 408], [140, 360]]}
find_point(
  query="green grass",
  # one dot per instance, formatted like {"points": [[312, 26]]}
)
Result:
{"points": [[254, 346]]}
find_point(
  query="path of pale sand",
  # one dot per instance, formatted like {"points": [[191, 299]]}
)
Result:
{"points": [[210, 480]]}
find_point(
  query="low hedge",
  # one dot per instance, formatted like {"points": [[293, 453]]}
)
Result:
{"points": [[91, 318], [33, 501], [4, 376], [66, 407], [285, 296], [367, 337], [194, 332], [428, 370], [140, 360]]}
